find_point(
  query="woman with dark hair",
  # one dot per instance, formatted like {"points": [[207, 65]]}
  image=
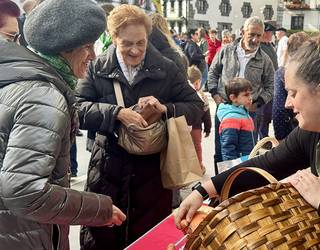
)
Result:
{"points": [[38, 122], [298, 151]]}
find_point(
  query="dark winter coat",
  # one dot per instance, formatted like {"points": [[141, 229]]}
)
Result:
{"points": [[132, 181], [283, 119], [160, 42], [35, 120], [194, 54], [296, 152]]}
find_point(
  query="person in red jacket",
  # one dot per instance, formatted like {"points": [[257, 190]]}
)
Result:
{"points": [[213, 45]]}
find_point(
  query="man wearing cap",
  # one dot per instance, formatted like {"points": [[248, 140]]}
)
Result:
{"points": [[38, 121], [281, 34], [243, 58]]}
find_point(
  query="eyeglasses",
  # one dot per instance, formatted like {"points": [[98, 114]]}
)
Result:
{"points": [[13, 37]]}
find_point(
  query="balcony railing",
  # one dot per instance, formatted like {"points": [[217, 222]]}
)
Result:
{"points": [[297, 5]]}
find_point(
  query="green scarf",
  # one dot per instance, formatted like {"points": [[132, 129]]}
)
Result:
{"points": [[106, 40], [61, 66]]}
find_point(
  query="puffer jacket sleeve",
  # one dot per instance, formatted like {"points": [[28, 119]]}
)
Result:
{"points": [[183, 99], [229, 139], [33, 151], [94, 115]]}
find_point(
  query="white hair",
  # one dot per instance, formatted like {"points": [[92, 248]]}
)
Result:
{"points": [[225, 33], [251, 21]]}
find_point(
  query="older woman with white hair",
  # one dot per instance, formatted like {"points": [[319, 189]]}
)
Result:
{"points": [[226, 37]]}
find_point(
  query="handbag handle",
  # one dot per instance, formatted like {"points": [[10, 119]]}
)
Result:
{"points": [[118, 92], [227, 185], [261, 143]]}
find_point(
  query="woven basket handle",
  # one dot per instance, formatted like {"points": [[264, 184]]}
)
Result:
{"points": [[227, 185], [260, 144]]}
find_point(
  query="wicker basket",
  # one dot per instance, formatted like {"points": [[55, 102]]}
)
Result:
{"points": [[272, 217], [258, 148]]}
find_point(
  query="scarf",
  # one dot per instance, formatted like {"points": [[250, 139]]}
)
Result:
{"points": [[61, 66], [106, 41]]}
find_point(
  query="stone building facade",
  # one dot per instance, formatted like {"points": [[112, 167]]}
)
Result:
{"points": [[217, 14]]}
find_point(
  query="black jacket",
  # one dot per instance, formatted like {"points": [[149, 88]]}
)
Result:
{"points": [[132, 181], [297, 151], [160, 42], [194, 54]]}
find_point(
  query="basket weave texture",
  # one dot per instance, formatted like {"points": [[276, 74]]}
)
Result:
{"points": [[272, 217]]}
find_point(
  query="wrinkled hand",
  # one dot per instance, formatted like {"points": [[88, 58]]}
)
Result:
{"points": [[128, 116], [187, 209], [117, 217], [152, 101], [308, 185], [206, 134], [217, 99]]}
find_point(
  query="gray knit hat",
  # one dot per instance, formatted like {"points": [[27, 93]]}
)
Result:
{"points": [[62, 25]]}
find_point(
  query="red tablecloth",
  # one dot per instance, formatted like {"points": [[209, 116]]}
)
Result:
{"points": [[159, 237]]}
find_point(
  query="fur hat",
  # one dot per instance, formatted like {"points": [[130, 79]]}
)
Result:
{"points": [[62, 25]]}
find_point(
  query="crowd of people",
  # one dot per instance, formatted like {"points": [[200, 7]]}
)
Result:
{"points": [[60, 74]]}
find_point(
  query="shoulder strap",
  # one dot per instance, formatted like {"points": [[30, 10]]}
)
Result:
{"points": [[118, 92]]}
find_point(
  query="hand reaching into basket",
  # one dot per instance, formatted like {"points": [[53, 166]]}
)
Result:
{"points": [[308, 185], [191, 204]]}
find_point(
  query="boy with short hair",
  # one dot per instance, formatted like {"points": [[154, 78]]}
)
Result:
{"points": [[194, 79], [236, 125]]}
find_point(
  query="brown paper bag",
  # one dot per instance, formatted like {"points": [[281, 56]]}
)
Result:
{"points": [[179, 163]]}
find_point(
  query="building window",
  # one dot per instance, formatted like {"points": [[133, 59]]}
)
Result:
{"points": [[268, 12], [246, 9], [297, 22], [202, 6], [225, 7], [171, 5]]}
